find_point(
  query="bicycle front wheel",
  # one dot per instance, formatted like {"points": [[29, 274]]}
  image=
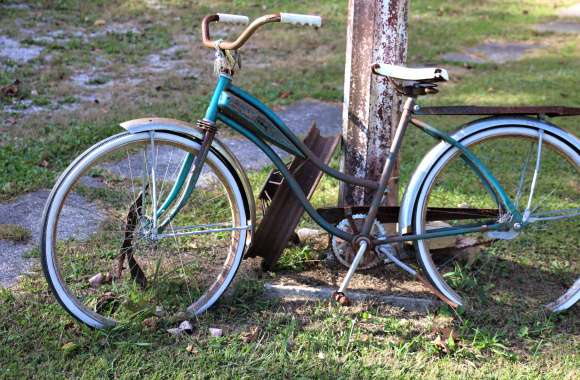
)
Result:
{"points": [[112, 251], [520, 268]]}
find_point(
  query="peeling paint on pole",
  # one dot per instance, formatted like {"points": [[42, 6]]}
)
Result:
{"points": [[377, 32]]}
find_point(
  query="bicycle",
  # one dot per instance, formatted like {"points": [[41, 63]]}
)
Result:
{"points": [[178, 209]]}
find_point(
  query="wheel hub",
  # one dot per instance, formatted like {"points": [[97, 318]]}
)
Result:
{"points": [[345, 252]]}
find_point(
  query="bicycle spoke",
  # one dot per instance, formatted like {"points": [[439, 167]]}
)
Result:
{"points": [[130, 175], [536, 174], [554, 215], [153, 184], [186, 231], [522, 180], [202, 246], [187, 285], [531, 263], [162, 190]]}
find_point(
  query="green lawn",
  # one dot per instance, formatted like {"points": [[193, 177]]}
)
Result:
{"points": [[316, 340]]}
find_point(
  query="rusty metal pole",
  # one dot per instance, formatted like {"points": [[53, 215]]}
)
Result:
{"points": [[377, 32]]}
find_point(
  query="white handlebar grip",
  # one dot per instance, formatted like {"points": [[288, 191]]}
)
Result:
{"points": [[233, 19], [291, 18]]}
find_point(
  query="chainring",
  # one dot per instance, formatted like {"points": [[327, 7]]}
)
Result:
{"points": [[345, 253]]}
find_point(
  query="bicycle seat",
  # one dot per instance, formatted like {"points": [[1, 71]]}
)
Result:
{"points": [[426, 74]]}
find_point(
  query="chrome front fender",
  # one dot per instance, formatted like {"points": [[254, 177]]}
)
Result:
{"points": [[187, 129], [468, 130]]}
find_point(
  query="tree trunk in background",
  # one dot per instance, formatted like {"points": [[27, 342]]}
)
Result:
{"points": [[377, 32]]}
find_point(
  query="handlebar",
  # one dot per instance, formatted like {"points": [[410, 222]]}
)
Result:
{"points": [[287, 18]]}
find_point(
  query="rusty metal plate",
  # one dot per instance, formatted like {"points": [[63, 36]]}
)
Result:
{"points": [[284, 211]]}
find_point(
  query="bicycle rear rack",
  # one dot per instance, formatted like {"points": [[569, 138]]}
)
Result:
{"points": [[550, 111]]}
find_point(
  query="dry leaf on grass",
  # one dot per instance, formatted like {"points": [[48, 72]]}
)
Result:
{"points": [[251, 335], [191, 349], [69, 348], [151, 323]]}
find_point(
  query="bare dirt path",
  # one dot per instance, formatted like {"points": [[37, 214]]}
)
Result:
{"points": [[80, 219]]}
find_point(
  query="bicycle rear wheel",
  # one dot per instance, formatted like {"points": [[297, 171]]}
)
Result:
{"points": [[107, 266], [524, 268]]}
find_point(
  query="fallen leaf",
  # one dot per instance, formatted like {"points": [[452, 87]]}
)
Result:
{"points": [[11, 90], [446, 339], [100, 22], [107, 301], [69, 348], [192, 349], [285, 94], [251, 335], [438, 342], [151, 323]]}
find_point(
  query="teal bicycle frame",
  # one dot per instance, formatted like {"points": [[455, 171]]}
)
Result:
{"points": [[254, 120]]}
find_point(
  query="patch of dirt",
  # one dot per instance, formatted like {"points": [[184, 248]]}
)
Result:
{"points": [[23, 7], [14, 51], [562, 26], [573, 11], [103, 81], [80, 217], [385, 279], [494, 52]]}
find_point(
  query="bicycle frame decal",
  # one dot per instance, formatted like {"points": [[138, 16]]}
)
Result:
{"points": [[254, 119]]}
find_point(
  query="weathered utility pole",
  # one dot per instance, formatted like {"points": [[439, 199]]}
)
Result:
{"points": [[377, 32]]}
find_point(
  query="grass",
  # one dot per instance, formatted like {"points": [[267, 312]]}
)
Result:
{"points": [[14, 232], [313, 340]]}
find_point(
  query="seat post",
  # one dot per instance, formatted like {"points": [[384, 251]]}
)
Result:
{"points": [[364, 243], [389, 164]]}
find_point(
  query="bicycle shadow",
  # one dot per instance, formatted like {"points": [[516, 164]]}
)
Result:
{"points": [[496, 292]]}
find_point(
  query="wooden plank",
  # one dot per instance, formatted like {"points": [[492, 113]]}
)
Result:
{"points": [[284, 211]]}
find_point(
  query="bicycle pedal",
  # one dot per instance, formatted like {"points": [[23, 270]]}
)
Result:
{"points": [[341, 298]]}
